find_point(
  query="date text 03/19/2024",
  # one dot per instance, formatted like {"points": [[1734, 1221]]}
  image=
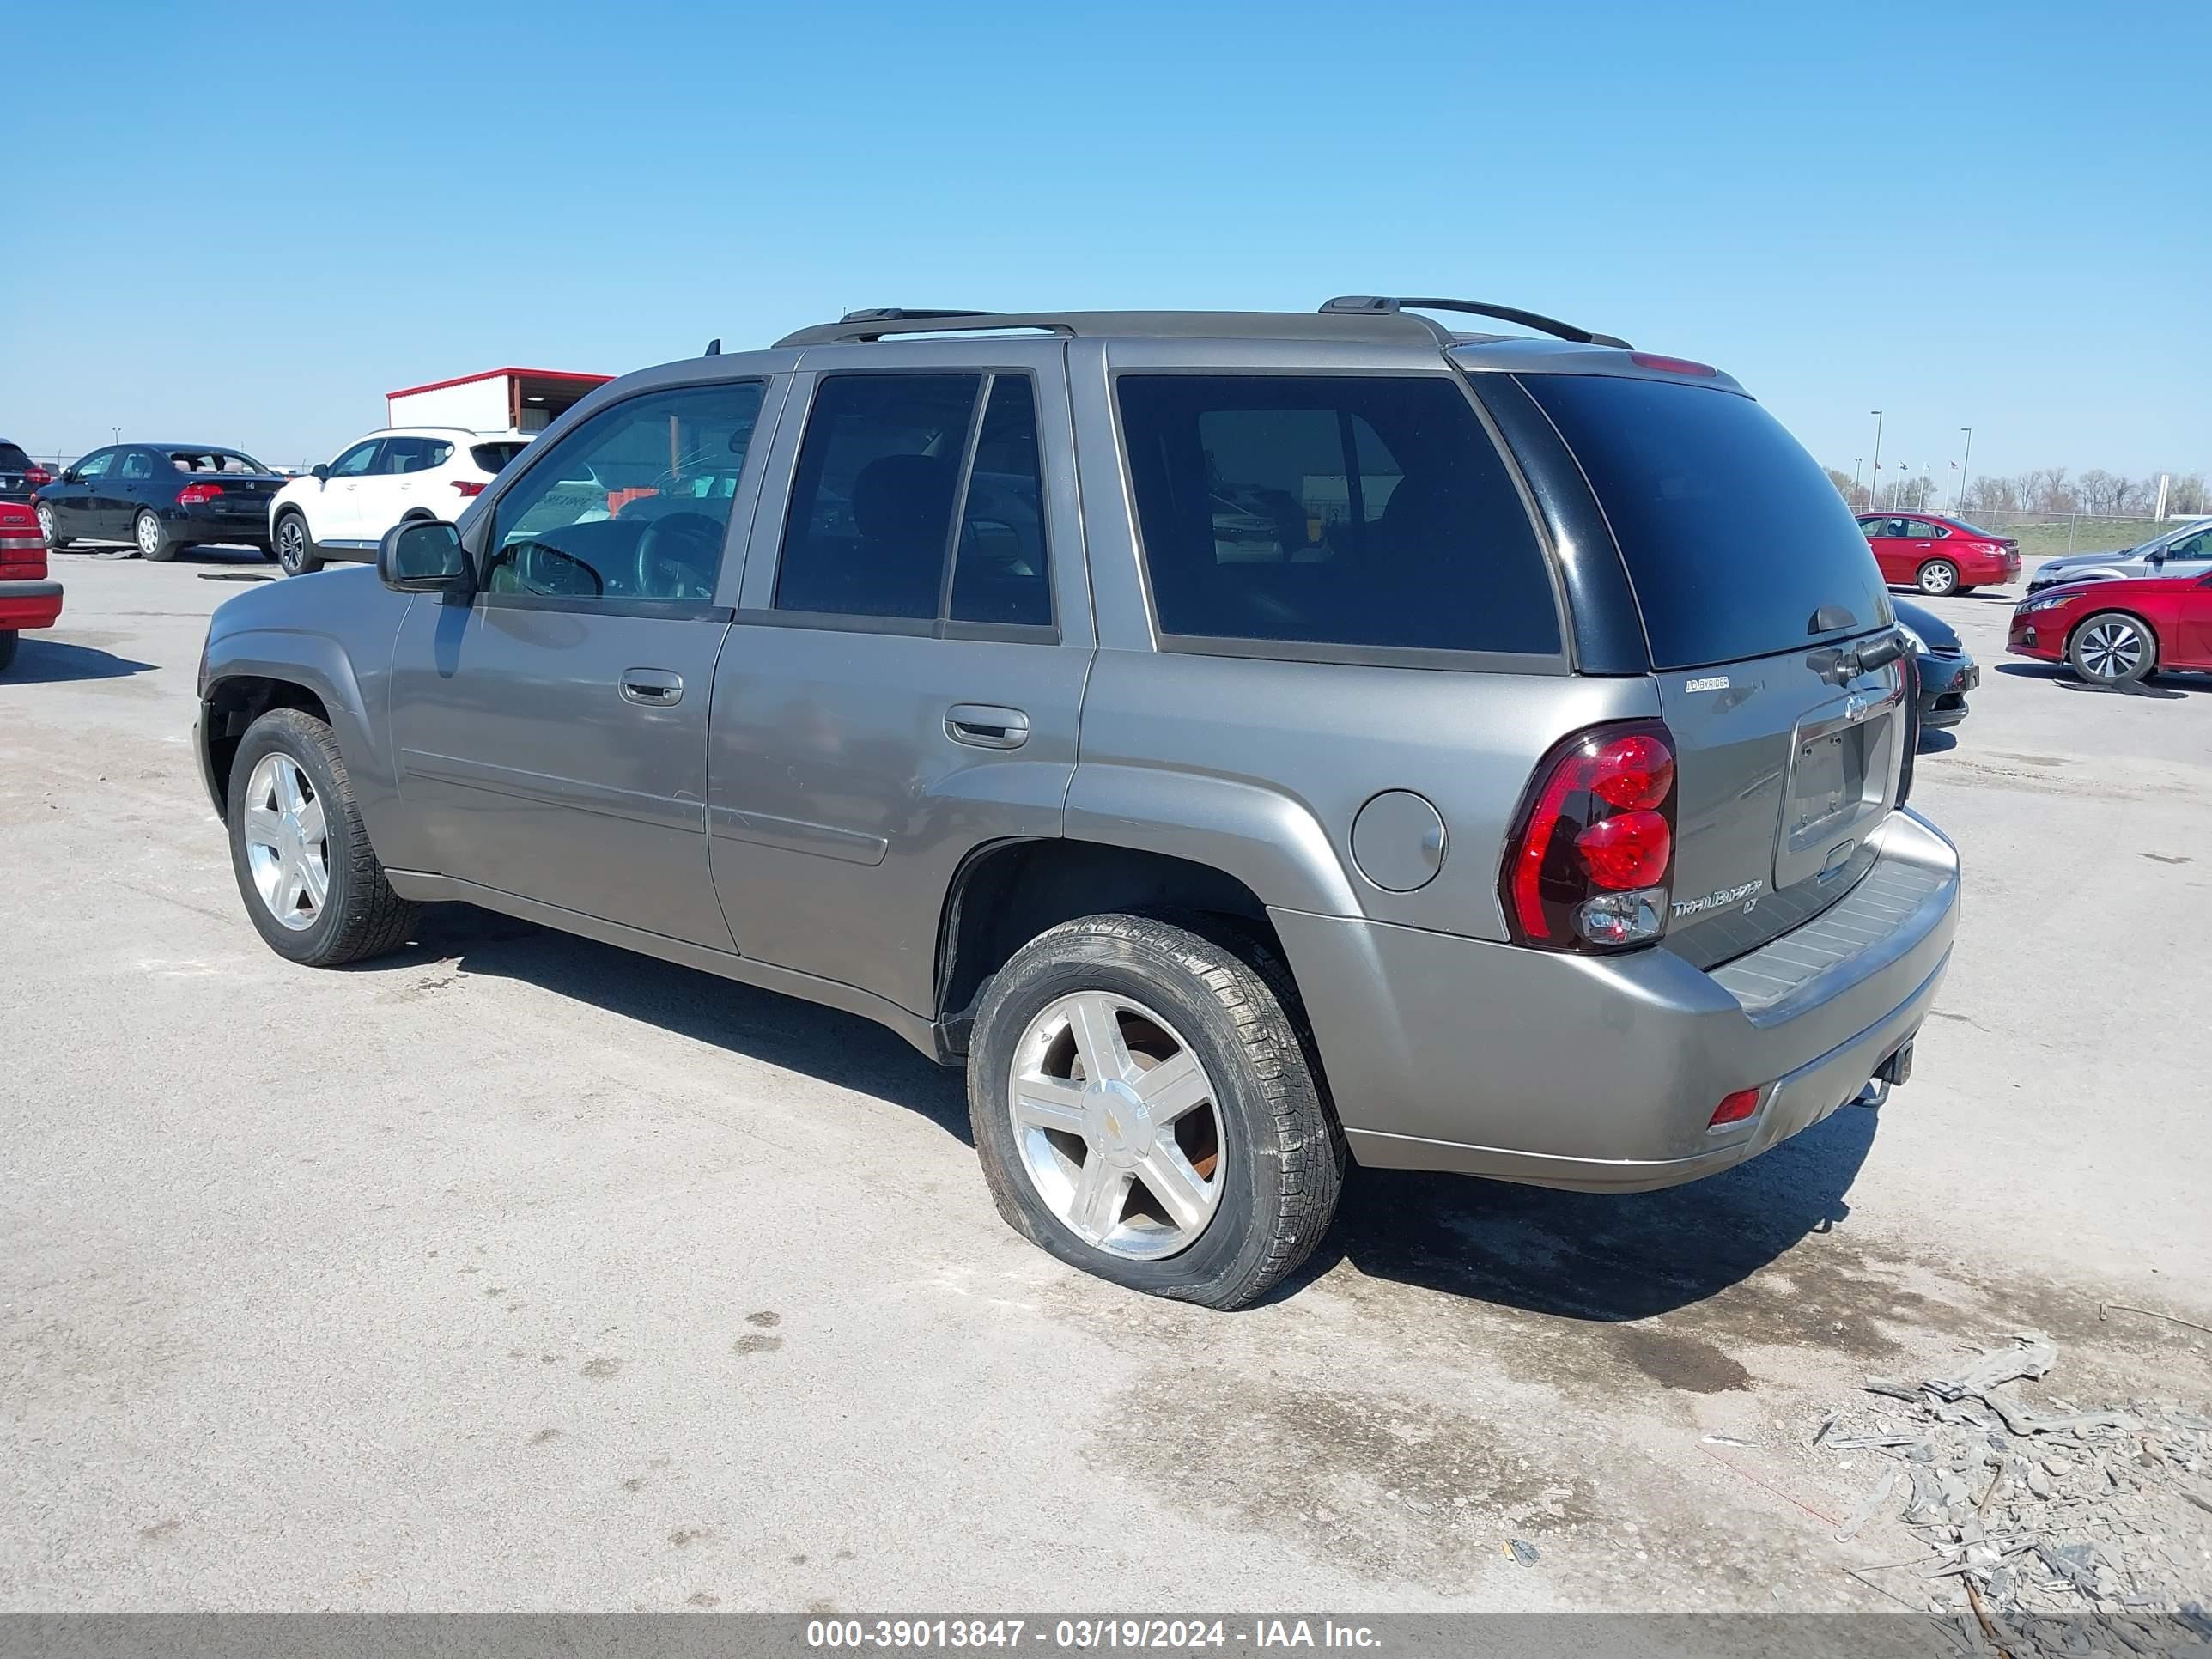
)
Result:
{"points": [[1087, 1635]]}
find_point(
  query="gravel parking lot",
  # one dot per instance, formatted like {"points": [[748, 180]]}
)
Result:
{"points": [[516, 1272]]}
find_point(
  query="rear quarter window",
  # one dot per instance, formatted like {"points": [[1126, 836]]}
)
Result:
{"points": [[490, 457], [1354, 513], [1737, 544]]}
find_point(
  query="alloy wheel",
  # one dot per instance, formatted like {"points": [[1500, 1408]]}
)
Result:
{"points": [[2111, 650], [1119, 1127], [291, 546], [287, 842], [149, 535], [46, 523], [1938, 579]]}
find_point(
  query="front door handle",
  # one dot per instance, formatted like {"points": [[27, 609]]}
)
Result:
{"points": [[656, 688], [987, 726]]}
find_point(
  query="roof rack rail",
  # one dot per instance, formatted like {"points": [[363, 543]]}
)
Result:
{"points": [[873, 322], [1375, 325], [1371, 304]]}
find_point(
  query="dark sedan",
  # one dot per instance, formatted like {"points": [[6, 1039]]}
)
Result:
{"points": [[160, 498], [1946, 673]]}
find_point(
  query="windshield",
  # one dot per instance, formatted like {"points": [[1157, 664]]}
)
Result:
{"points": [[1736, 543], [212, 460]]}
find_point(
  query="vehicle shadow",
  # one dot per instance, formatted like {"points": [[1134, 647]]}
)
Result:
{"points": [[2067, 680], [1937, 743], [1599, 1257], [842, 1049], [52, 662]]}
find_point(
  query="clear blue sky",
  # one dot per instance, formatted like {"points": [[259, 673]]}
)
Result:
{"points": [[253, 221]]}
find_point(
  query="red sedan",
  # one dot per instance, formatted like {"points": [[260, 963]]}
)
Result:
{"points": [[1938, 556], [2114, 633], [27, 599]]}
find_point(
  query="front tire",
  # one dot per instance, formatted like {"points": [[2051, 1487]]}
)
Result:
{"points": [[50, 527], [311, 884], [2112, 649], [1145, 1108], [1937, 578], [295, 549], [152, 539]]}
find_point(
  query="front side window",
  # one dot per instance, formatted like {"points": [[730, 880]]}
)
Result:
{"points": [[138, 464], [1332, 510], [356, 461], [872, 502], [2199, 546], [633, 504], [95, 465]]}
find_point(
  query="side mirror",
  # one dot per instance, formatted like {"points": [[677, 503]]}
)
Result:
{"points": [[2156, 558], [71, 475], [424, 555], [318, 471]]}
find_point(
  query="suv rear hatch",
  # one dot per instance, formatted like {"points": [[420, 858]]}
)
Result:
{"points": [[1755, 588]]}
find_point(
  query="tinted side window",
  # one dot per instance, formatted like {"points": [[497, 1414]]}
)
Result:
{"points": [[412, 454], [633, 504], [492, 457], [95, 465], [999, 573], [871, 518], [138, 464], [1734, 540], [1334, 510]]}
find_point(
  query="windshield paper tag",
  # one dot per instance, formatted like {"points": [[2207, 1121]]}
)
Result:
{"points": [[1711, 683]]}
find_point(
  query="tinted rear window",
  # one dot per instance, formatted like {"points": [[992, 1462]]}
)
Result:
{"points": [[492, 457], [1736, 543], [1332, 510], [13, 458]]}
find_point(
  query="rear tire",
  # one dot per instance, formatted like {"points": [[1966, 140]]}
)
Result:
{"points": [[314, 834], [8, 639], [2113, 648], [152, 539], [1230, 1175], [295, 549], [50, 527], [1938, 577]]}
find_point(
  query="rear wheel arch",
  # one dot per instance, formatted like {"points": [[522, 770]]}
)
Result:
{"points": [[1006, 893]]}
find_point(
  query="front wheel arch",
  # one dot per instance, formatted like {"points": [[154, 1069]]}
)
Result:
{"points": [[2150, 639]]}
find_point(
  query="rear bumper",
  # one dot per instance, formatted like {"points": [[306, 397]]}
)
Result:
{"points": [[1602, 1073], [29, 604], [210, 521]]}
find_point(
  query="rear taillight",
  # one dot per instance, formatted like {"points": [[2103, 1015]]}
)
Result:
{"points": [[192, 494], [468, 486], [20, 543], [1591, 861], [35, 475]]}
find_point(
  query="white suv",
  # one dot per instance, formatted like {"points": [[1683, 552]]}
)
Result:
{"points": [[341, 511]]}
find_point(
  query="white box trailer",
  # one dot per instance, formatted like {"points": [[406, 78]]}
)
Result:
{"points": [[495, 400]]}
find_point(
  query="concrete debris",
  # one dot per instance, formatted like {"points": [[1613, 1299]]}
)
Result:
{"points": [[2030, 1356], [1522, 1550], [2056, 1527]]}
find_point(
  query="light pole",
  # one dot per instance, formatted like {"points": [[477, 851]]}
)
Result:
{"points": [[1874, 488], [1858, 464], [1963, 461], [117, 431]]}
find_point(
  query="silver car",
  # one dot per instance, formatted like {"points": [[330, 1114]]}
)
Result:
{"points": [[2183, 551], [1248, 744]]}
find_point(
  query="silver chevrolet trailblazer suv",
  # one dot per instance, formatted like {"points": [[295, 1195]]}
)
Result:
{"points": [[1249, 743]]}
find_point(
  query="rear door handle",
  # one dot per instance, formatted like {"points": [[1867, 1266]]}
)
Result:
{"points": [[987, 726], [656, 688]]}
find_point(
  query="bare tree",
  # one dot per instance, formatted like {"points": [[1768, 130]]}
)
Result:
{"points": [[1854, 493], [2187, 493], [2099, 491]]}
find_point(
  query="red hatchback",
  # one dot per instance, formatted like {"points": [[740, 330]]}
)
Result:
{"points": [[2115, 632], [1938, 556]]}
